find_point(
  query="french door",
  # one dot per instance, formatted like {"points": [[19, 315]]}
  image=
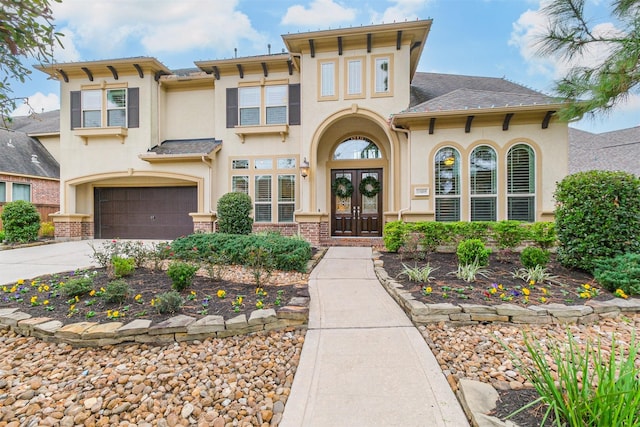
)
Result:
{"points": [[356, 202]]}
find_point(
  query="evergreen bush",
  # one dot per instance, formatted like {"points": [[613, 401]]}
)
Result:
{"points": [[21, 222], [597, 217], [532, 256], [620, 272], [234, 210], [473, 251]]}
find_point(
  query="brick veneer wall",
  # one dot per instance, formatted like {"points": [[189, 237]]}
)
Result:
{"points": [[45, 194], [288, 229]]}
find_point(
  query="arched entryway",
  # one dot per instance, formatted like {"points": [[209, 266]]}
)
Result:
{"points": [[357, 189]]}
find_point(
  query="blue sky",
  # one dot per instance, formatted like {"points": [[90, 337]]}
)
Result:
{"points": [[490, 38]]}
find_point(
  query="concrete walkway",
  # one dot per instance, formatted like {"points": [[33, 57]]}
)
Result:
{"points": [[29, 262], [363, 363]]}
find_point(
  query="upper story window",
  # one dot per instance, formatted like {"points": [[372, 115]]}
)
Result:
{"points": [[263, 105], [105, 107], [328, 81], [382, 75], [355, 77]]}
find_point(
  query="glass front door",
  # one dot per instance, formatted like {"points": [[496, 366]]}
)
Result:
{"points": [[356, 202]]}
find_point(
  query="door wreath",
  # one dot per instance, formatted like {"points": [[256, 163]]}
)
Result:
{"points": [[342, 187], [369, 186]]}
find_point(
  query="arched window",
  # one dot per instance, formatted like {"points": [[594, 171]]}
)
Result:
{"points": [[482, 169], [355, 148], [521, 186], [447, 184]]}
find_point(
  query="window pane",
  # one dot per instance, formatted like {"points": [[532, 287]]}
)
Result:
{"points": [[262, 213], [521, 170], [285, 212], [357, 148], [447, 170], [249, 96], [287, 163], [327, 71], [483, 171], [250, 116], [382, 75], [448, 209], [263, 164], [263, 188], [240, 184], [521, 208], [355, 77], [286, 188], [91, 119], [92, 100], [116, 98], [21, 192], [240, 164], [117, 118], [275, 95], [483, 209], [276, 115], [3, 192]]}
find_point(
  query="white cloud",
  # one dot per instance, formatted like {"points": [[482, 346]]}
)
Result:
{"points": [[402, 10], [104, 28], [68, 51], [320, 12], [38, 102]]}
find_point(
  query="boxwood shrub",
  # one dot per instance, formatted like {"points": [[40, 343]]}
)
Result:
{"points": [[21, 221], [234, 210]]}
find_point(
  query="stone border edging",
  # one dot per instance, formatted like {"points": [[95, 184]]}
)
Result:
{"points": [[175, 329], [466, 314]]}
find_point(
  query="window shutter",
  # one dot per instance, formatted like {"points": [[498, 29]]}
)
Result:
{"points": [[232, 107], [76, 109], [294, 104], [133, 107]]}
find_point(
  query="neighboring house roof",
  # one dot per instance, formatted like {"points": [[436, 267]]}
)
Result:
{"points": [[23, 155], [37, 123], [614, 151], [202, 146], [435, 91]]}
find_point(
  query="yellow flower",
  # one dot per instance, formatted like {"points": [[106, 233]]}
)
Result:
{"points": [[34, 283], [239, 299], [193, 293], [92, 293], [221, 293], [72, 307], [545, 291], [587, 286], [493, 291], [34, 299], [102, 290], [526, 291], [500, 287], [138, 297], [532, 282], [61, 284], [526, 299], [428, 289], [45, 302], [21, 282], [621, 294], [108, 313], [13, 289], [77, 298], [543, 299], [259, 304], [5, 289]]}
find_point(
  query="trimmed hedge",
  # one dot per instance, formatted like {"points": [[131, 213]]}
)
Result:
{"points": [[287, 253]]}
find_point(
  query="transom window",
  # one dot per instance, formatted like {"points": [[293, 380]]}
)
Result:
{"points": [[357, 147], [447, 184], [482, 176], [267, 177]]}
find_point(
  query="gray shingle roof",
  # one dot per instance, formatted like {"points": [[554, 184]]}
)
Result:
{"points": [[37, 123], [614, 151], [21, 154], [434, 91], [186, 146]]}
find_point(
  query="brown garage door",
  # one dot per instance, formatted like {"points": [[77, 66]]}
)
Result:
{"points": [[144, 212]]}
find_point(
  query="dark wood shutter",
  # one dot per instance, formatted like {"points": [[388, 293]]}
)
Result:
{"points": [[76, 109], [133, 107], [232, 107], [294, 104]]}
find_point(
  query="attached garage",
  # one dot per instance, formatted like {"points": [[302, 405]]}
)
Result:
{"points": [[160, 213]]}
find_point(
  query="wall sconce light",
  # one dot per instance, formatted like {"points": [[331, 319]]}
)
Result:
{"points": [[304, 168]]}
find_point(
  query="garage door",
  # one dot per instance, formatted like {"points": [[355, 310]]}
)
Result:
{"points": [[144, 212]]}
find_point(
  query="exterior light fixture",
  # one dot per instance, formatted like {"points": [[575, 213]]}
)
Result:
{"points": [[449, 161], [304, 168]]}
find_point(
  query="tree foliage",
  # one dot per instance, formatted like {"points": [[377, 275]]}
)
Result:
{"points": [[599, 87], [26, 31]]}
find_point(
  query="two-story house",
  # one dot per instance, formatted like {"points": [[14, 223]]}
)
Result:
{"points": [[331, 138]]}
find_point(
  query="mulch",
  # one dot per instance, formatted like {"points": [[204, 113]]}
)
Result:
{"points": [[200, 298]]}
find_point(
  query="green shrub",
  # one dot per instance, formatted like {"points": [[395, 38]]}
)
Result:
{"points": [[2, 236], [117, 291], [181, 274], [532, 256], [620, 272], [21, 221], [393, 235], [46, 229], [122, 266], [168, 302], [433, 234], [465, 230], [597, 216], [543, 234], [77, 286], [509, 234], [288, 253], [135, 250], [593, 387], [473, 251], [234, 210]]}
